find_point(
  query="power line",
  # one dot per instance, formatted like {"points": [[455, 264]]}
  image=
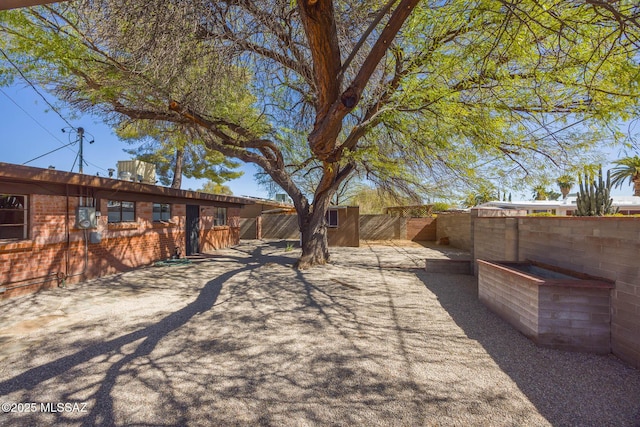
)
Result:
{"points": [[35, 89], [24, 77], [33, 118], [52, 151]]}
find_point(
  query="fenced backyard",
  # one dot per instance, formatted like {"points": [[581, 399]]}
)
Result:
{"points": [[240, 338]]}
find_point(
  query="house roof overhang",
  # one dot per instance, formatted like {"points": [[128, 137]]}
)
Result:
{"points": [[30, 180], [14, 4]]}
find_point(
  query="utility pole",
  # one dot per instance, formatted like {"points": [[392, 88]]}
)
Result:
{"points": [[80, 136]]}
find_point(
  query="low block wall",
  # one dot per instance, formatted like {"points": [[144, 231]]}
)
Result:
{"points": [[562, 313], [606, 247]]}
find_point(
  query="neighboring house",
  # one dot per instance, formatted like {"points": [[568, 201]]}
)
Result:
{"points": [[627, 205], [343, 223], [60, 227]]}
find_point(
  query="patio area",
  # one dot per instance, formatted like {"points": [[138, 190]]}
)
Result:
{"points": [[238, 337]]}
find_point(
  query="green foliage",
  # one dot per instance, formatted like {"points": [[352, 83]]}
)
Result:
{"points": [[565, 181], [543, 214], [376, 200], [216, 188], [482, 194], [440, 207], [627, 169], [540, 192], [594, 196], [64, 51]]}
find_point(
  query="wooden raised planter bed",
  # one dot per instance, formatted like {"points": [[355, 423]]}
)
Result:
{"points": [[554, 307]]}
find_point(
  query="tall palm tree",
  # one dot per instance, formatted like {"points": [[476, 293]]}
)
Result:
{"points": [[627, 168], [565, 182]]}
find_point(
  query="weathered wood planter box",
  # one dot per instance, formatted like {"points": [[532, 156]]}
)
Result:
{"points": [[555, 308]]}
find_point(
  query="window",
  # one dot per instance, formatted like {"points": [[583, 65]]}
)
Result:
{"points": [[221, 216], [332, 218], [120, 211], [161, 212], [13, 217]]}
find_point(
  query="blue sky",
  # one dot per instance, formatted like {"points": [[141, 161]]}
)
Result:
{"points": [[29, 128]]}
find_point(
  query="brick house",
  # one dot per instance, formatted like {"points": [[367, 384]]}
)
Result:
{"points": [[60, 227]]}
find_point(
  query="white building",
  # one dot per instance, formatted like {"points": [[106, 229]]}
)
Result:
{"points": [[626, 205]]}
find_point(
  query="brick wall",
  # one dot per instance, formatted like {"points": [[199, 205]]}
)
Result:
{"points": [[603, 247], [56, 250]]}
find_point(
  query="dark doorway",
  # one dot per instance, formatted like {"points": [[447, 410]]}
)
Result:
{"points": [[193, 230]]}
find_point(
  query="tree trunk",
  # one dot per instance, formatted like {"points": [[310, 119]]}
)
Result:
{"points": [[315, 247], [565, 191], [313, 228], [177, 169], [636, 187]]}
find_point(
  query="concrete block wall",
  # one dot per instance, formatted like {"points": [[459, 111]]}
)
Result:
{"points": [[606, 247], [513, 300], [565, 314], [457, 227], [575, 318], [495, 239]]}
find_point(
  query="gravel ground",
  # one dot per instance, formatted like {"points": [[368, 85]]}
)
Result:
{"points": [[241, 338]]}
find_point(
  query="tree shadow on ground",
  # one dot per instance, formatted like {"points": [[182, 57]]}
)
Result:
{"points": [[567, 388], [260, 343], [101, 413]]}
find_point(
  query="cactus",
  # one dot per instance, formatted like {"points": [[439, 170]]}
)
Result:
{"points": [[594, 197]]}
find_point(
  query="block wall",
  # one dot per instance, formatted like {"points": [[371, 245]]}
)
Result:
{"points": [[455, 226], [512, 297], [280, 227], [57, 251], [606, 247]]}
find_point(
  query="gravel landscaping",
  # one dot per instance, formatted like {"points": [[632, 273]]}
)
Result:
{"points": [[238, 337]]}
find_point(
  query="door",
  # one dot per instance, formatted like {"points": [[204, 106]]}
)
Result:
{"points": [[193, 230]]}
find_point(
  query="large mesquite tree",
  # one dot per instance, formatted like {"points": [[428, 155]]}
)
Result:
{"points": [[408, 93]]}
